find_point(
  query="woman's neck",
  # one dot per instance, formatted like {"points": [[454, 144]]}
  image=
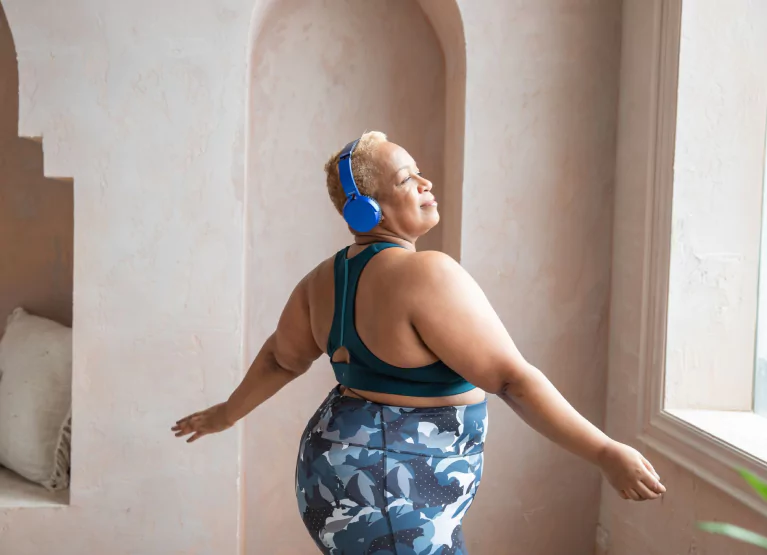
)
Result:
{"points": [[365, 239]]}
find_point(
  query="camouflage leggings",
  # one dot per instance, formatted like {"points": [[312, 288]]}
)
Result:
{"points": [[378, 479]]}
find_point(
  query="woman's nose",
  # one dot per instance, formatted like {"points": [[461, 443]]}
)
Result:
{"points": [[424, 184]]}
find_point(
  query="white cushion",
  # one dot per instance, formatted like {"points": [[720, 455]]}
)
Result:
{"points": [[36, 399]]}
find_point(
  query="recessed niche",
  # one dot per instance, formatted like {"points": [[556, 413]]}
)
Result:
{"points": [[36, 252], [322, 73]]}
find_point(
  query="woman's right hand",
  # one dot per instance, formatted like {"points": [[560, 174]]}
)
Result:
{"points": [[210, 421], [632, 476]]}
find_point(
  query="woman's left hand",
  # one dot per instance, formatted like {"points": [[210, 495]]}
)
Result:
{"points": [[209, 421], [632, 476]]}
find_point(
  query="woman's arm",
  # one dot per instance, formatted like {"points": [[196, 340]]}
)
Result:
{"points": [[288, 353], [455, 320]]}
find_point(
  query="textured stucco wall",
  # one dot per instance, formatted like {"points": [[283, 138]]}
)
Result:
{"points": [[147, 107], [142, 104], [541, 103]]}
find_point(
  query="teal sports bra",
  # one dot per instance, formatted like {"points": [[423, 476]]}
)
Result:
{"points": [[366, 371]]}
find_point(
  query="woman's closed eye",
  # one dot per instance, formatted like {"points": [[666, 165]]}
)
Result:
{"points": [[409, 177]]}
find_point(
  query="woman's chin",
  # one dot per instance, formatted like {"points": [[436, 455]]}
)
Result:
{"points": [[431, 222]]}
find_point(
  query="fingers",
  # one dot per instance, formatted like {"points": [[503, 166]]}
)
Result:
{"points": [[654, 485], [645, 489], [649, 467], [187, 419], [644, 492], [180, 425], [633, 495], [188, 425], [202, 423], [623, 495], [196, 436]]}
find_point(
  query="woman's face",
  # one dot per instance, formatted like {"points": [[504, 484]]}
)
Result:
{"points": [[409, 209]]}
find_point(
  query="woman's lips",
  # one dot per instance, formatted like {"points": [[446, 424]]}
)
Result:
{"points": [[429, 204]]}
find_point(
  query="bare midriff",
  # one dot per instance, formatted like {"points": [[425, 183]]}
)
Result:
{"points": [[472, 397]]}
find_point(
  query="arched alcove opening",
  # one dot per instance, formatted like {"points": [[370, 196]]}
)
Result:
{"points": [[445, 17], [321, 73], [36, 246]]}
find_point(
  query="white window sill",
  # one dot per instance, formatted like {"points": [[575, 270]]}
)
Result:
{"points": [[712, 445], [16, 492], [744, 431]]}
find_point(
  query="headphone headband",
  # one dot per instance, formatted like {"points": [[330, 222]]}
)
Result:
{"points": [[345, 173], [360, 212]]}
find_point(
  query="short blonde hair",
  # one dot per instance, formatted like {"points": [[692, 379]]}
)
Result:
{"points": [[363, 168]]}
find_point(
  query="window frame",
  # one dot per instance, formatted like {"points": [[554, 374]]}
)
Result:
{"points": [[704, 455], [760, 377]]}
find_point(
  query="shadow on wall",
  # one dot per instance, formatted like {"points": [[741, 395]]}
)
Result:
{"points": [[322, 73], [36, 213]]}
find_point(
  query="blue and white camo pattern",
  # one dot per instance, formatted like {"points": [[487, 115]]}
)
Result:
{"points": [[376, 479]]}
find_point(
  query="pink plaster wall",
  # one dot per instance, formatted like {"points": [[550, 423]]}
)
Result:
{"points": [[446, 19], [541, 98], [143, 105], [666, 527], [146, 108], [36, 214]]}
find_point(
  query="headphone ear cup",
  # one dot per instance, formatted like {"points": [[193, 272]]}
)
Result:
{"points": [[362, 213]]}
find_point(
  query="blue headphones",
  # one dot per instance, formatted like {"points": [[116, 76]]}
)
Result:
{"points": [[360, 212]]}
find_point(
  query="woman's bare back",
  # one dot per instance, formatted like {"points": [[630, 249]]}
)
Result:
{"points": [[383, 308]]}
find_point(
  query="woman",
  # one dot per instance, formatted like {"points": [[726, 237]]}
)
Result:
{"points": [[392, 459]]}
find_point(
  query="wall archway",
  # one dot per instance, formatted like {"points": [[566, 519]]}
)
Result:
{"points": [[447, 21], [320, 74], [36, 243], [36, 212]]}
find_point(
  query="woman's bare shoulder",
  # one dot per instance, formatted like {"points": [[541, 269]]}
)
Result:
{"points": [[319, 276], [432, 265]]}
